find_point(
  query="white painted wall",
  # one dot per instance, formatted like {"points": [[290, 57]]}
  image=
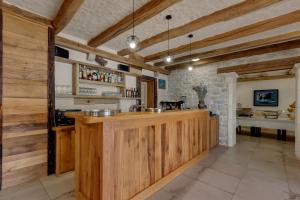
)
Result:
{"points": [[286, 89]]}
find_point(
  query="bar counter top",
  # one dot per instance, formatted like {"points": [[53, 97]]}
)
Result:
{"points": [[131, 115]]}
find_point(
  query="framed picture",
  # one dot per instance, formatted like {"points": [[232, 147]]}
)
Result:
{"points": [[161, 84], [266, 98]]}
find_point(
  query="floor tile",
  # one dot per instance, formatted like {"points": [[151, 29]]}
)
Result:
{"points": [[178, 185], [68, 196], [236, 197], [161, 195], [256, 186], [199, 190], [194, 171], [219, 180], [293, 174], [57, 186], [208, 160], [269, 169], [29, 191], [268, 156], [230, 168]]}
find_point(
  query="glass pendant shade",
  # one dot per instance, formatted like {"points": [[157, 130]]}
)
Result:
{"points": [[190, 68], [133, 42], [169, 58]]}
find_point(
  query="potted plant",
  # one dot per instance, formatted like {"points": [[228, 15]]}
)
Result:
{"points": [[201, 91]]}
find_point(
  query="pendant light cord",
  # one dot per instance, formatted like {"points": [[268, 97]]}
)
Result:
{"points": [[133, 17], [191, 50], [168, 37]]}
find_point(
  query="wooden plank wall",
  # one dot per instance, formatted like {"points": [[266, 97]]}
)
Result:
{"points": [[25, 100], [1, 70]]}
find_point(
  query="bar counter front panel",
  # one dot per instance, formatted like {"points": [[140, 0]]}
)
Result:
{"points": [[131, 156]]}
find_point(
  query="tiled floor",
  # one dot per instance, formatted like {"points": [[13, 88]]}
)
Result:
{"points": [[255, 169]]}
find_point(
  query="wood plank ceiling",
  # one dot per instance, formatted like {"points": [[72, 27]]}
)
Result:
{"points": [[223, 29]]}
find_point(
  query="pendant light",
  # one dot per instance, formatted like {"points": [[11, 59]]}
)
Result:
{"points": [[133, 41], [190, 67], [169, 58]]}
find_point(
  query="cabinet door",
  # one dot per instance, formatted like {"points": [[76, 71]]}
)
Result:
{"points": [[65, 151], [214, 132]]}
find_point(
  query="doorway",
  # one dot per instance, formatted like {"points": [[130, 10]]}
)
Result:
{"points": [[149, 92]]}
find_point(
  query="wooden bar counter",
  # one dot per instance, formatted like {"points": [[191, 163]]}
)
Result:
{"points": [[133, 155]]}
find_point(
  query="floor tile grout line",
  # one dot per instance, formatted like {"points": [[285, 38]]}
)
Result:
{"points": [[286, 173], [216, 187], [44, 188], [247, 168]]}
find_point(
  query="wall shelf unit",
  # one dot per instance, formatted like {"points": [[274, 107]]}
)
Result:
{"points": [[77, 82], [93, 97], [101, 83], [70, 61]]}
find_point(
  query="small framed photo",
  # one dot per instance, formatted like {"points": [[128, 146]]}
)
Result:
{"points": [[161, 84]]}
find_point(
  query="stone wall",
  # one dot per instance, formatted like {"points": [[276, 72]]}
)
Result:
{"points": [[182, 81]]}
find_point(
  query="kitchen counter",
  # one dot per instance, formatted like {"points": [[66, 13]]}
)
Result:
{"points": [[133, 155]]}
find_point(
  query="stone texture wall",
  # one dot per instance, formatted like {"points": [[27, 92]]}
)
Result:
{"points": [[182, 81]]}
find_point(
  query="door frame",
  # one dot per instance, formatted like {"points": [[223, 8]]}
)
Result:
{"points": [[149, 78]]}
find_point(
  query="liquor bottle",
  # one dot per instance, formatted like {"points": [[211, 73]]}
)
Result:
{"points": [[98, 75], [101, 76], [109, 77], [89, 74], [94, 75], [80, 72], [106, 77], [134, 93], [84, 74]]}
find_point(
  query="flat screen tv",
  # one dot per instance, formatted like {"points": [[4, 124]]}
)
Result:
{"points": [[266, 98]]}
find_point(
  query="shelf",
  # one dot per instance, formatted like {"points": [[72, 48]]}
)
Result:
{"points": [[69, 61], [100, 83], [94, 97], [128, 98]]}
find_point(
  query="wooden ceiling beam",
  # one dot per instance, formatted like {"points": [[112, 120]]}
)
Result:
{"points": [[264, 78], [144, 13], [241, 54], [265, 66], [87, 49], [218, 16], [292, 36], [251, 29], [65, 14]]}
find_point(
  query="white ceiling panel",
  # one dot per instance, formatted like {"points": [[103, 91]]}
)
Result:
{"points": [[46, 8], [95, 16]]}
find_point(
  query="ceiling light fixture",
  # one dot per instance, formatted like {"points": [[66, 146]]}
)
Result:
{"points": [[169, 58], [133, 41], [190, 68], [195, 59]]}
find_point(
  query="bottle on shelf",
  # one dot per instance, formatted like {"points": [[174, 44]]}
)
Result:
{"points": [[84, 73], [89, 74], [105, 77], [80, 71], [94, 75]]}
